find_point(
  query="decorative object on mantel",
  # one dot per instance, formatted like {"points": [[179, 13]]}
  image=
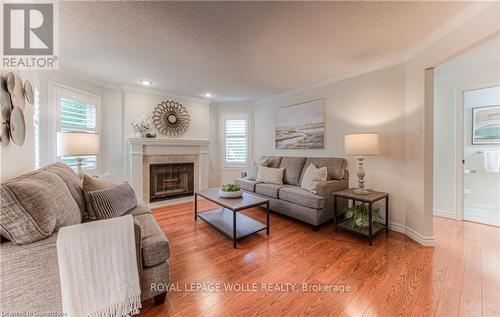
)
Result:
{"points": [[143, 127], [360, 145], [150, 135], [300, 126], [171, 118], [230, 191], [78, 144], [12, 103]]}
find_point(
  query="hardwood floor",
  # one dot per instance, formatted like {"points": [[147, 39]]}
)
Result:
{"points": [[460, 276]]}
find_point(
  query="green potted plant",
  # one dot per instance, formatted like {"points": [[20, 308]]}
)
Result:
{"points": [[359, 215], [230, 191]]}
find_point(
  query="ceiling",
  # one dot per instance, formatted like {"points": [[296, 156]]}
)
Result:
{"points": [[240, 51]]}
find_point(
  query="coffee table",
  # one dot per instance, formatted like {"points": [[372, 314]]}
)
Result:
{"points": [[227, 219]]}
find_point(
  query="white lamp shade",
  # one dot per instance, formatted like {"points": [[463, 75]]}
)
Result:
{"points": [[361, 144], [77, 144]]}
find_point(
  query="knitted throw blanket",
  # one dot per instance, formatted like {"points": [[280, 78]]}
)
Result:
{"points": [[98, 268]]}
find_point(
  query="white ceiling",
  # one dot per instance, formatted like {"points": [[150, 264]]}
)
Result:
{"points": [[240, 51]]}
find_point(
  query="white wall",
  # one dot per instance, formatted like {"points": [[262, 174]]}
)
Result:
{"points": [[419, 110], [477, 68], [373, 102], [221, 174]]}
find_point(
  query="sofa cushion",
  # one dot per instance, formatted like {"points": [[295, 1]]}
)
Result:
{"points": [[246, 184], [155, 248], [253, 168], [269, 190], [336, 166], [111, 202], [140, 209], [272, 161], [30, 278], [35, 205], [293, 169], [301, 197], [72, 181]]}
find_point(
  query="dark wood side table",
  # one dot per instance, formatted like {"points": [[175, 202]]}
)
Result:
{"points": [[373, 228]]}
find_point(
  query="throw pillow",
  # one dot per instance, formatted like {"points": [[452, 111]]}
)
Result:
{"points": [[90, 184], [34, 206], [111, 202], [313, 176], [270, 175], [253, 167]]}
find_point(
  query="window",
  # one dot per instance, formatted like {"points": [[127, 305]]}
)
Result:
{"points": [[75, 111], [236, 140]]}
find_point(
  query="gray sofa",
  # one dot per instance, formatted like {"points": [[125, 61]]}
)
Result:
{"points": [[29, 272], [291, 200]]}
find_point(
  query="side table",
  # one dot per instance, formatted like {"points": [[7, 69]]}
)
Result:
{"points": [[373, 227]]}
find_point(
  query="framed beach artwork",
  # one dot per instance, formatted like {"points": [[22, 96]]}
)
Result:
{"points": [[300, 126], [486, 125]]}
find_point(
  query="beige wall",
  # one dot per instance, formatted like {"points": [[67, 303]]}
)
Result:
{"points": [[373, 102]]}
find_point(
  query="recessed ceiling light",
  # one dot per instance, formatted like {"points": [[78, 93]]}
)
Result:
{"points": [[208, 95], [146, 82]]}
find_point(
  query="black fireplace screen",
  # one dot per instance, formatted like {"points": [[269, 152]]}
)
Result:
{"points": [[168, 181]]}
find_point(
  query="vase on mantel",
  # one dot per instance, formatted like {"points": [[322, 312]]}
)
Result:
{"points": [[138, 134]]}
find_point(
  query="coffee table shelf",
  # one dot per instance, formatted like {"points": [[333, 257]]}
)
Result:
{"points": [[222, 220], [227, 219]]}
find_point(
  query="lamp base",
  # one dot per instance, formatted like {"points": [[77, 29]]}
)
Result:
{"points": [[361, 191]]}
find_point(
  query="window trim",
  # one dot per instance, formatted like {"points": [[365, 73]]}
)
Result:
{"points": [[228, 116], [57, 90]]}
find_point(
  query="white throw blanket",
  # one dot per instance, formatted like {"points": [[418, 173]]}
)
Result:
{"points": [[98, 268]]}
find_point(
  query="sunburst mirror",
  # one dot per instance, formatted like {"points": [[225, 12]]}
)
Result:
{"points": [[171, 118]]}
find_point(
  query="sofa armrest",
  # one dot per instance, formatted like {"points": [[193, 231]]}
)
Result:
{"points": [[326, 190], [138, 244]]}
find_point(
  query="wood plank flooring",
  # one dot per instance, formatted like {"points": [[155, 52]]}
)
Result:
{"points": [[460, 276]]}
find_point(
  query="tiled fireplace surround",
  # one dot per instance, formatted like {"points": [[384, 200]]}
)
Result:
{"points": [[144, 152]]}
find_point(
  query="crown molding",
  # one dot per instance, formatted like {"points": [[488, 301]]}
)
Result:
{"points": [[367, 70], [466, 14]]}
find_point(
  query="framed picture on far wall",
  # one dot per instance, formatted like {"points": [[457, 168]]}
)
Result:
{"points": [[300, 126], [486, 125]]}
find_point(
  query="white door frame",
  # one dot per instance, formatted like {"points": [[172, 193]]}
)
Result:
{"points": [[460, 137]]}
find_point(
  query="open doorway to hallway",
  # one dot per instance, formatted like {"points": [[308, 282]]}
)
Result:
{"points": [[466, 136]]}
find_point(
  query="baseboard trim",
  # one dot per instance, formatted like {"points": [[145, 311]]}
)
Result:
{"points": [[412, 234], [164, 203], [444, 213]]}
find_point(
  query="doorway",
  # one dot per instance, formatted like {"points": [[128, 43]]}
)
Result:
{"points": [[466, 101], [481, 155]]}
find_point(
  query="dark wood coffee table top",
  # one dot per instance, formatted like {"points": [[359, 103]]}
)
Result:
{"points": [[235, 204]]}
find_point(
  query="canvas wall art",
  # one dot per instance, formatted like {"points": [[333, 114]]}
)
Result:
{"points": [[486, 125], [300, 126]]}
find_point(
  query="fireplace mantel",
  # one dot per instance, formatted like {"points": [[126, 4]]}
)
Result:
{"points": [[142, 147]]}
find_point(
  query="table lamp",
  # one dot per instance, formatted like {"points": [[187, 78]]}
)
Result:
{"points": [[77, 144], [361, 145]]}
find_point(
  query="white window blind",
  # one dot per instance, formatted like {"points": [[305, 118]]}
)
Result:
{"points": [[75, 115], [236, 144]]}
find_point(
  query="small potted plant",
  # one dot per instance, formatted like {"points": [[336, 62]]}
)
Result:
{"points": [[230, 191], [359, 215]]}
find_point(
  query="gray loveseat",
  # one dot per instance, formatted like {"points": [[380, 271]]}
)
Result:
{"points": [[291, 200], [29, 272]]}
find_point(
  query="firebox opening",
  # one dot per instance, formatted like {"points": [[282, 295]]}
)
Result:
{"points": [[169, 181]]}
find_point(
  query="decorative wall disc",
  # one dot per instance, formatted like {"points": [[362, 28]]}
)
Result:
{"points": [[171, 118], [5, 137], [17, 95], [17, 126], [28, 92], [5, 102]]}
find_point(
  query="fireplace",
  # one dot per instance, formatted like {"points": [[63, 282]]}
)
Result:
{"points": [[168, 181]]}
